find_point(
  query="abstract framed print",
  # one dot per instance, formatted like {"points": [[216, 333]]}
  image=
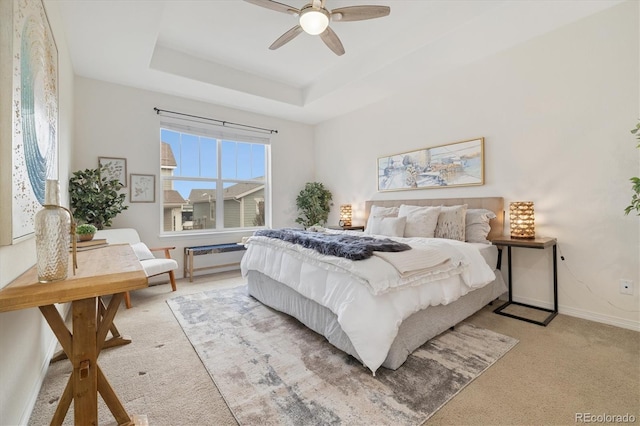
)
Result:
{"points": [[443, 166], [29, 115]]}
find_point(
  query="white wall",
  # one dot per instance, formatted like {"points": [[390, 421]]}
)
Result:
{"points": [[119, 121], [555, 114], [26, 341]]}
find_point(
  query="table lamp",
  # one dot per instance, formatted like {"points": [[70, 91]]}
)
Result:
{"points": [[521, 220], [345, 215]]}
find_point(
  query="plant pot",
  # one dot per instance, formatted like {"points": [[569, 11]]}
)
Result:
{"points": [[85, 237]]}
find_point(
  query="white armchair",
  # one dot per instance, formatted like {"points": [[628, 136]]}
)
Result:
{"points": [[152, 265]]}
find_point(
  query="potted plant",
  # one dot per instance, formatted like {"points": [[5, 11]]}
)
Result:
{"points": [[85, 232], [635, 187], [314, 203], [95, 199]]}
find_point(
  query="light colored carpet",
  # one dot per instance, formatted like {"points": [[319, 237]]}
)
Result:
{"points": [[158, 374], [572, 366], [272, 370]]}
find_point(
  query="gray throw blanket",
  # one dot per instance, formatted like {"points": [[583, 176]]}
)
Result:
{"points": [[342, 245]]}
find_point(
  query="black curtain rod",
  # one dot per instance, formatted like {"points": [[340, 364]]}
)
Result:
{"points": [[223, 123]]}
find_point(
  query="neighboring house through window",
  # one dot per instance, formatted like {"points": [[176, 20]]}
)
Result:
{"points": [[212, 179]]}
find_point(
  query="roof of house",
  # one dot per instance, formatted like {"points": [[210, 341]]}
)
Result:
{"points": [[171, 196], [236, 191], [240, 190], [166, 156]]}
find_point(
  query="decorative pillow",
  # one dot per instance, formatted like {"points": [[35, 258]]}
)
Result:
{"points": [[391, 226], [477, 226], [477, 233], [421, 220], [378, 212], [142, 251], [451, 221]]}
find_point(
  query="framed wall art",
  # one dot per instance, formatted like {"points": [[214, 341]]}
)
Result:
{"points": [[116, 168], [143, 188], [28, 115], [443, 166]]}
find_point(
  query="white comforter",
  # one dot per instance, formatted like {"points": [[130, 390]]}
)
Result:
{"points": [[369, 297]]}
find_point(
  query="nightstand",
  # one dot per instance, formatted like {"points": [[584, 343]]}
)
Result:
{"points": [[535, 243], [347, 228]]}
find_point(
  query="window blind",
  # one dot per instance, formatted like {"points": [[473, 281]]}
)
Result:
{"points": [[201, 127]]}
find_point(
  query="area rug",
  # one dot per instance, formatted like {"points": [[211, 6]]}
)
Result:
{"points": [[272, 370]]}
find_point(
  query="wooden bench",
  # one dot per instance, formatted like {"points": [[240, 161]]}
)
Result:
{"points": [[190, 252]]}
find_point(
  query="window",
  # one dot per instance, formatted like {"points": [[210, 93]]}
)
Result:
{"points": [[212, 181]]}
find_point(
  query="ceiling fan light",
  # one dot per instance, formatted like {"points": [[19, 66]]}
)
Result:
{"points": [[314, 21]]}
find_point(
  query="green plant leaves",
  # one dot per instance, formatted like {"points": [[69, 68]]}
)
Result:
{"points": [[636, 132], [635, 187], [313, 204], [86, 228], [95, 199]]}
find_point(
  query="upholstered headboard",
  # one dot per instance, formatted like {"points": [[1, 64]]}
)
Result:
{"points": [[495, 204]]}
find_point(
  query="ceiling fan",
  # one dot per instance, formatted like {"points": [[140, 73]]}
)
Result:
{"points": [[314, 19]]}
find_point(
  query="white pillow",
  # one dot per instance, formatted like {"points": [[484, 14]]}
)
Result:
{"points": [[421, 220], [477, 233], [391, 226], [477, 225], [479, 216], [378, 212], [142, 251], [451, 221]]}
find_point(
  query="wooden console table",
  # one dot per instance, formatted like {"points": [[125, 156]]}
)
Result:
{"points": [[110, 270]]}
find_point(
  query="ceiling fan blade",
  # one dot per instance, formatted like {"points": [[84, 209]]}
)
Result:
{"points": [[286, 37], [274, 5], [332, 41], [359, 13]]}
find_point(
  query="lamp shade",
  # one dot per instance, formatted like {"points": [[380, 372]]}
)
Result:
{"points": [[345, 214], [314, 21], [521, 219]]}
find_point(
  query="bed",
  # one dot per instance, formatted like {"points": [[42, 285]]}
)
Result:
{"points": [[381, 323]]}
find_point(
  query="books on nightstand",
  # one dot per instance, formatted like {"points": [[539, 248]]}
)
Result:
{"points": [[90, 245]]}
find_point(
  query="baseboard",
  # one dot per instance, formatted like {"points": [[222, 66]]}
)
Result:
{"points": [[605, 319], [580, 313]]}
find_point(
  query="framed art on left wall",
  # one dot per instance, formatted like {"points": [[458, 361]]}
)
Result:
{"points": [[28, 115]]}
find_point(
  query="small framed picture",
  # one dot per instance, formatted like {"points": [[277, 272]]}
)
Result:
{"points": [[116, 168], [143, 188]]}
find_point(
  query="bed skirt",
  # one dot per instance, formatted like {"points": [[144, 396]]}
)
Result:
{"points": [[413, 333]]}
